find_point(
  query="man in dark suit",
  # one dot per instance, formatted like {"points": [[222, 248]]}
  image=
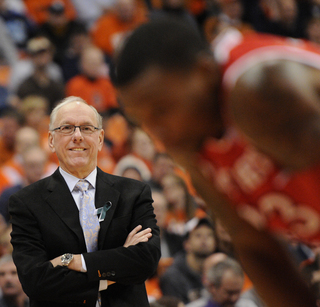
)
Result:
{"points": [[48, 237]]}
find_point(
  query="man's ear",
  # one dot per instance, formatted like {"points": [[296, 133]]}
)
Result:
{"points": [[101, 139], [51, 142]]}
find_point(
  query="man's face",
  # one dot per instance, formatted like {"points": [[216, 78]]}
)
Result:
{"points": [[9, 282], [77, 153], [229, 291], [201, 241], [176, 107]]}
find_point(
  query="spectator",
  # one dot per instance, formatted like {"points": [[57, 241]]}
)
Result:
{"points": [[117, 133], [59, 29], [40, 82], [34, 166], [224, 281], [182, 206], [171, 243], [79, 40], [19, 27], [12, 170], [10, 122], [89, 12], [230, 15], [24, 68], [12, 293], [38, 9], [111, 28], [162, 165], [93, 84], [183, 278]]}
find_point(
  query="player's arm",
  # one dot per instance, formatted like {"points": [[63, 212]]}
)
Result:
{"points": [[276, 105], [263, 257]]}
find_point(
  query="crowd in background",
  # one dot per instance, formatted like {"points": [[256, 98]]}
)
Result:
{"points": [[51, 49]]}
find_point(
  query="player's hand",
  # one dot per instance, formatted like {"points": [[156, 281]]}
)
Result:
{"points": [[136, 236]]}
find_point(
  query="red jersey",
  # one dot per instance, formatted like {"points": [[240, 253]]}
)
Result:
{"points": [[263, 193]]}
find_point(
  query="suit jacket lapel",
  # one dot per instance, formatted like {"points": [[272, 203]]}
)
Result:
{"points": [[105, 193], [62, 202]]}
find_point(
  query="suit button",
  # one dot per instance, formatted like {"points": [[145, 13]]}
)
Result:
{"points": [[104, 275], [108, 274], [113, 273]]}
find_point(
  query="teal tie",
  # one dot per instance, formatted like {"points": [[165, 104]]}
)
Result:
{"points": [[88, 219]]}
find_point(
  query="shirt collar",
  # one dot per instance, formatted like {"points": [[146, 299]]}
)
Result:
{"points": [[72, 180]]}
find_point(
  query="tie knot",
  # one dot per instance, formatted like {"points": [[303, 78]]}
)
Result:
{"points": [[82, 185]]}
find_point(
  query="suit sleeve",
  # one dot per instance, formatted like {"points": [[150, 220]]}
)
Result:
{"points": [[39, 279], [136, 263]]}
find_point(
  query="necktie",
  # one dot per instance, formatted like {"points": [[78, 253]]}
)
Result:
{"points": [[88, 220]]}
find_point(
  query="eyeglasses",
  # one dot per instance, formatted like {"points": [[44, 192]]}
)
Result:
{"points": [[70, 129]]}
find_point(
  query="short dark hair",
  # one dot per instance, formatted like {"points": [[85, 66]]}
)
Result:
{"points": [[164, 42]]}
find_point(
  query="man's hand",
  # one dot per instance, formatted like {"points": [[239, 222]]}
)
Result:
{"points": [[136, 236]]}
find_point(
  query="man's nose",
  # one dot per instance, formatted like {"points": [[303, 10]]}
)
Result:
{"points": [[77, 133]]}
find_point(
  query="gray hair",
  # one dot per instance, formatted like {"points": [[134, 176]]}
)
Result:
{"points": [[5, 259], [68, 100], [216, 272]]}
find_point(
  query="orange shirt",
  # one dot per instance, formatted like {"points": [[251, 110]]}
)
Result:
{"points": [[99, 93], [38, 9], [5, 153], [109, 30]]}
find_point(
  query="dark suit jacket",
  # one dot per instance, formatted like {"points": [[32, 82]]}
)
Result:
{"points": [[45, 221]]}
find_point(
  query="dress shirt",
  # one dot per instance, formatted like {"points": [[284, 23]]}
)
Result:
{"points": [[71, 182]]}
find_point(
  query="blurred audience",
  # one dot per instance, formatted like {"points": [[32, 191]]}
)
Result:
{"points": [[10, 122], [93, 83], [110, 29], [34, 167], [39, 53], [12, 293], [59, 28], [231, 12], [40, 82], [38, 9], [183, 278], [223, 281], [182, 206], [19, 26]]}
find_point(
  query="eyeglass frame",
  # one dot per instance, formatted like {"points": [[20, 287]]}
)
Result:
{"points": [[74, 129]]}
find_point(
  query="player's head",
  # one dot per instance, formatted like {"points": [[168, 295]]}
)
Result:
{"points": [[167, 80]]}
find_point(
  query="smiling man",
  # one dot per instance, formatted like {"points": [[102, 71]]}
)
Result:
{"points": [[77, 234]]}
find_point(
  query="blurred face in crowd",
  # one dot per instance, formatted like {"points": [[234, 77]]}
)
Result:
{"points": [[161, 167], [26, 137], [160, 206], [9, 282], [173, 189], [9, 129], [201, 241], [34, 162], [142, 144], [77, 152], [229, 291], [92, 62], [125, 9]]}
